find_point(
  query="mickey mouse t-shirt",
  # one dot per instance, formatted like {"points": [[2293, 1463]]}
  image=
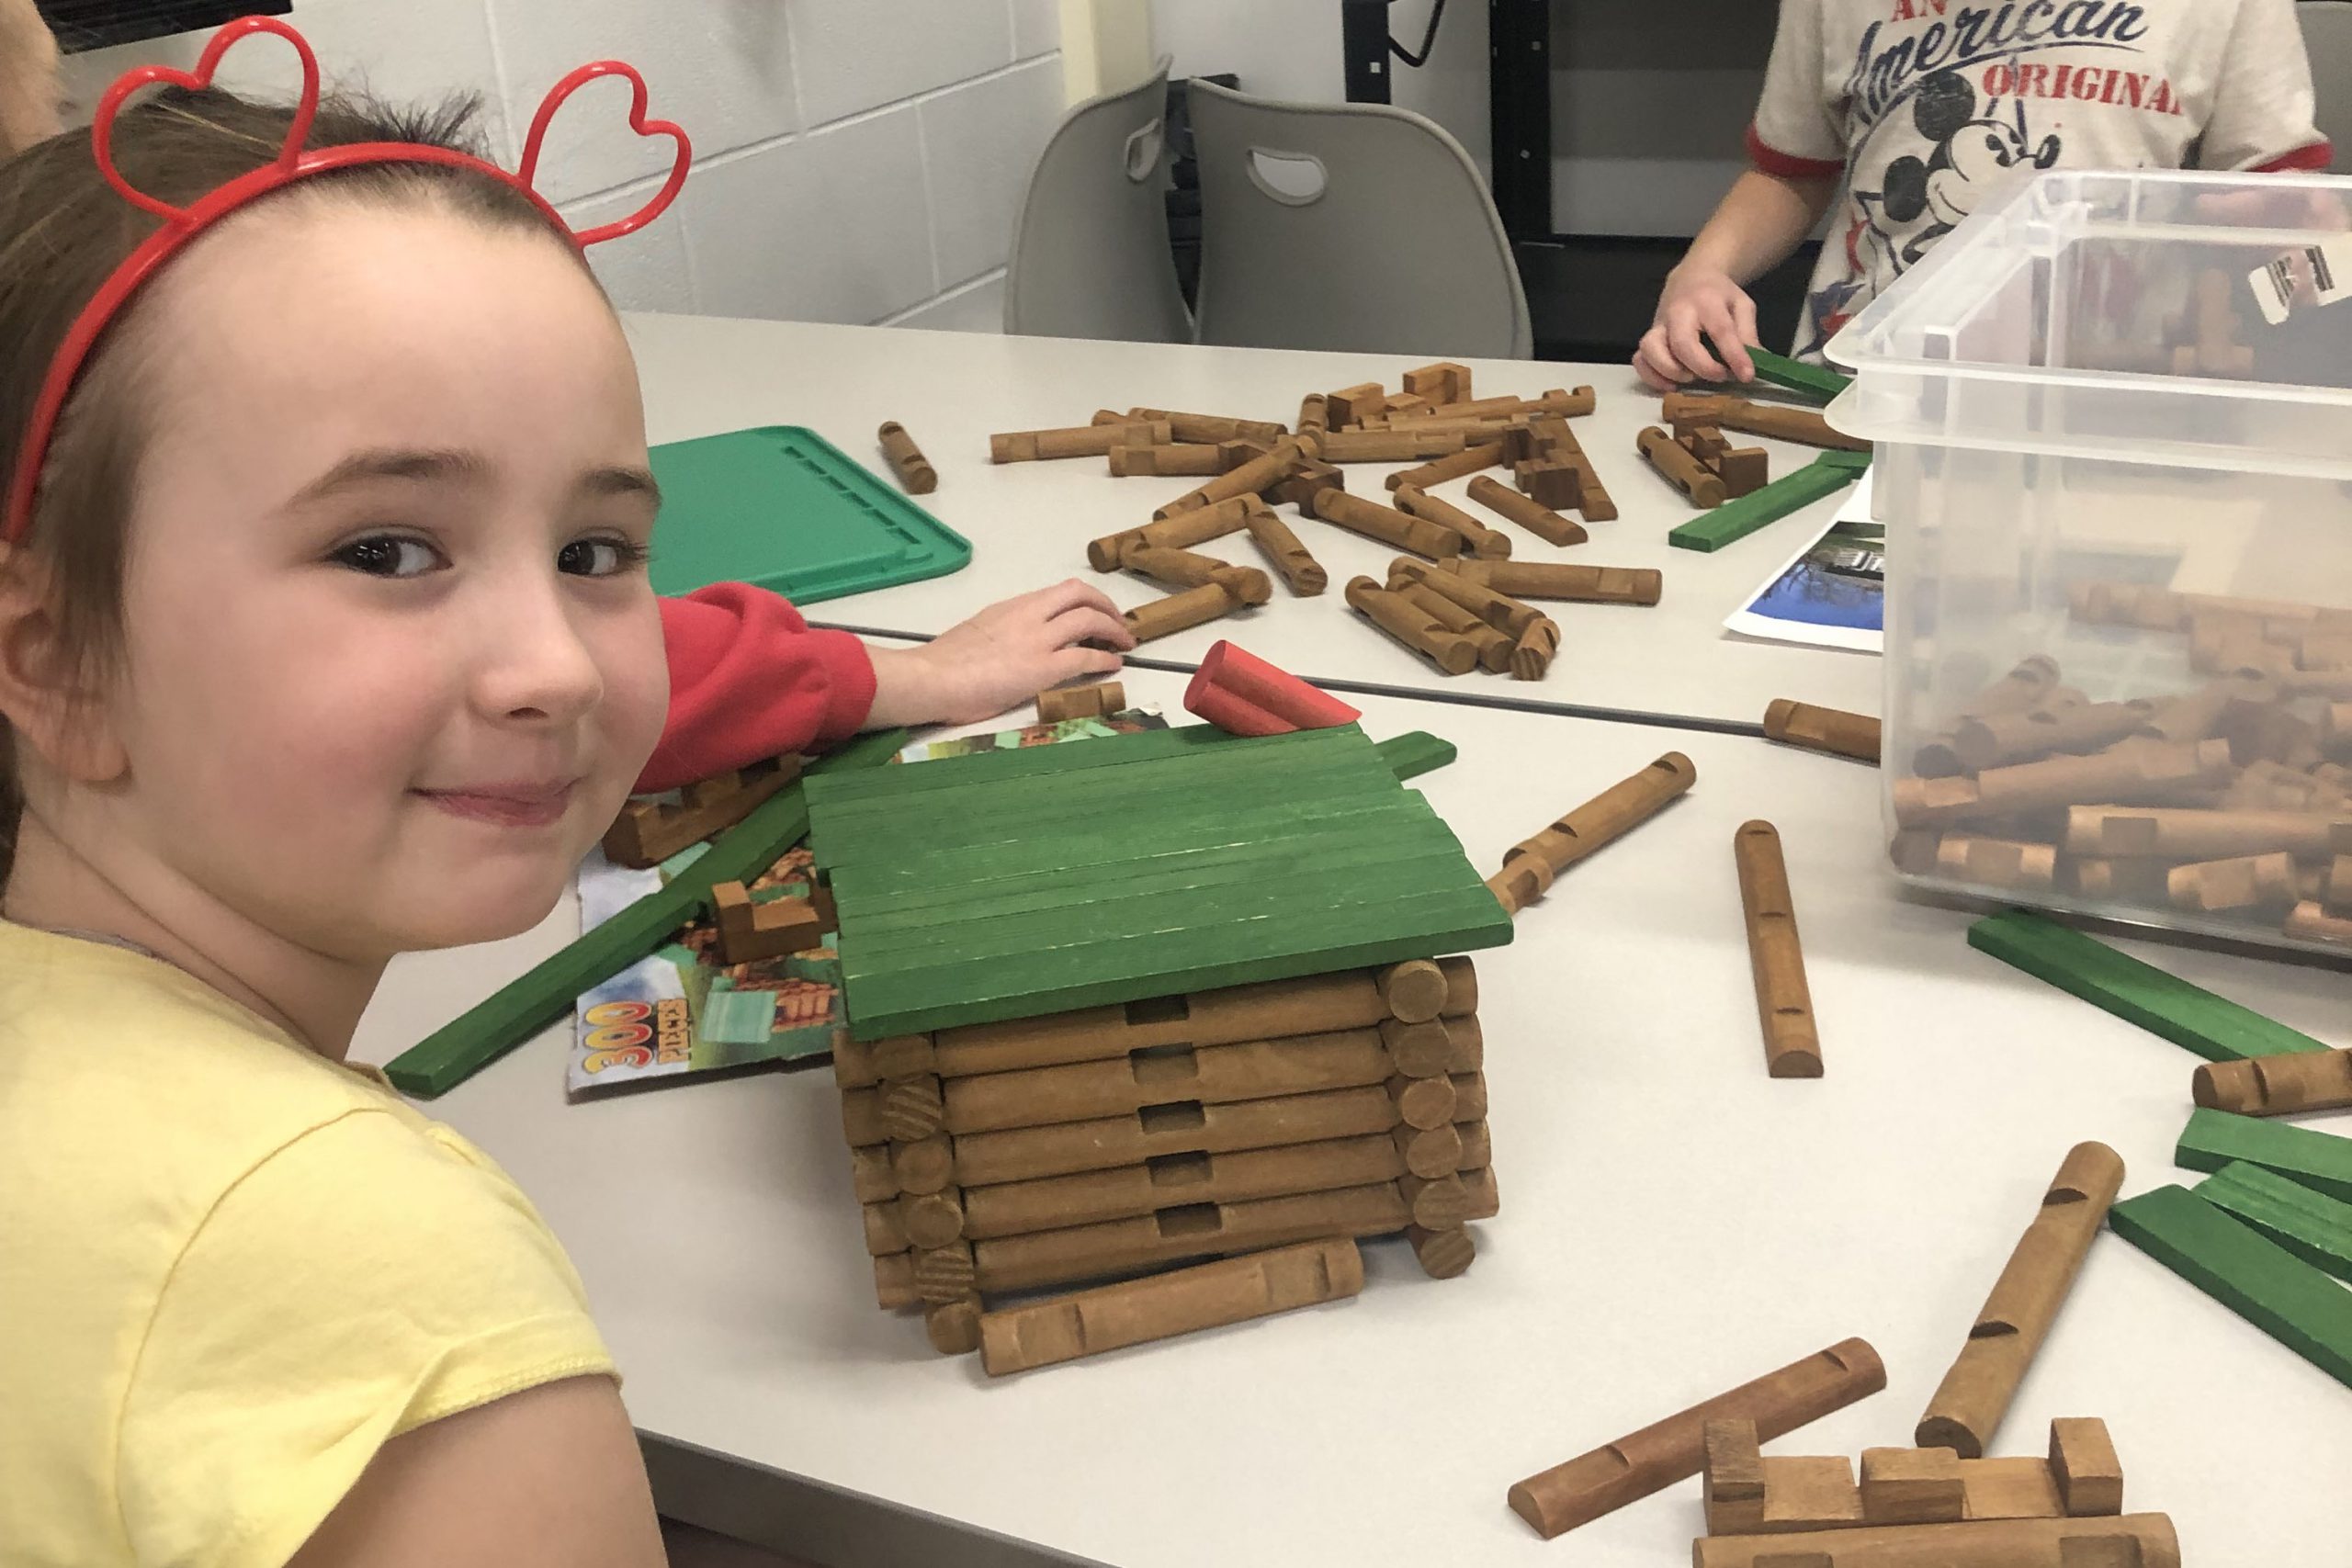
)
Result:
{"points": [[1926, 106]]}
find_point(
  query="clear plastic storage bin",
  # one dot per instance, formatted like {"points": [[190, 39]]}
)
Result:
{"points": [[2117, 493]]}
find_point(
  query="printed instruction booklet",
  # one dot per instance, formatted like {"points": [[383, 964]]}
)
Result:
{"points": [[1832, 594]]}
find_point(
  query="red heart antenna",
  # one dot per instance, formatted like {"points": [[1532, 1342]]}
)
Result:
{"points": [[182, 224]]}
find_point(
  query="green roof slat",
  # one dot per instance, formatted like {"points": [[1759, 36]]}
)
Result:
{"points": [[1465, 928], [1005, 898], [1233, 886], [1062, 760], [1220, 940], [962, 875], [1012, 884]]}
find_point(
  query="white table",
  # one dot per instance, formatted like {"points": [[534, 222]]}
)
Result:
{"points": [[1673, 1223], [1029, 522]]}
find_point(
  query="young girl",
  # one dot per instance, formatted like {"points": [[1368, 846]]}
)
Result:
{"points": [[329, 639], [1914, 109]]}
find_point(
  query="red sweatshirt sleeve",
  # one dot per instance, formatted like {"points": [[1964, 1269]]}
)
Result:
{"points": [[748, 680]]}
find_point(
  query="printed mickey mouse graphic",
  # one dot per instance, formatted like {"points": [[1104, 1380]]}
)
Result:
{"points": [[1971, 154]]}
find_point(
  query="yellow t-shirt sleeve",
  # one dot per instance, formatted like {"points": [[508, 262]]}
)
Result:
{"points": [[360, 1282]]}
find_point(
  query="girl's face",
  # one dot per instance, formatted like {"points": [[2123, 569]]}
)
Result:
{"points": [[392, 663]]}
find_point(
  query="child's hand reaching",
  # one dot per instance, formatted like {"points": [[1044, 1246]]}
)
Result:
{"points": [[1704, 300], [999, 659]]}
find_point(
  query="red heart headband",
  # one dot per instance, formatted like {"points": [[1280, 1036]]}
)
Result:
{"points": [[182, 224]]}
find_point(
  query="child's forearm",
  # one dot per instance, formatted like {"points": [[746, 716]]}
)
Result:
{"points": [[908, 689], [1760, 221]]}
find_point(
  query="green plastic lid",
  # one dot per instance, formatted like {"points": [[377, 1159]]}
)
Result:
{"points": [[782, 507]]}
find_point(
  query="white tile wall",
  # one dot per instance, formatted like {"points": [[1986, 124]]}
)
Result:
{"points": [[722, 69], [829, 226], [860, 54], [977, 307], [975, 191], [1036, 28], [856, 159]]}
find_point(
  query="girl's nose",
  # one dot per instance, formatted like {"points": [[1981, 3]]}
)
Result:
{"points": [[536, 665]]}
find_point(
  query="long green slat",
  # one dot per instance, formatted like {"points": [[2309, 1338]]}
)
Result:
{"points": [[1734, 520], [1177, 911], [2164, 1004], [925, 913], [2320, 1161], [1415, 752], [1444, 923], [487, 1031], [975, 778], [2313, 1226], [952, 875], [2246, 1271], [1019, 812], [1813, 380], [1104, 751]]}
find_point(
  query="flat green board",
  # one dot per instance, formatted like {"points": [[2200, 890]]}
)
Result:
{"points": [[545, 993], [1734, 520], [2320, 1161], [785, 508], [2246, 1271], [2313, 1226], [1415, 752], [1809, 381], [1813, 380], [1013, 884], [2187, 1015]]}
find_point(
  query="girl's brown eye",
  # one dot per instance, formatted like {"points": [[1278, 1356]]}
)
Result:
{"points": [[388, 555], [600, 558]]}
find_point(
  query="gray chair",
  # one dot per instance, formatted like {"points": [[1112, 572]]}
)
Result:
{"points": [[1089, 252], [2327, 39], [1348, 226]]}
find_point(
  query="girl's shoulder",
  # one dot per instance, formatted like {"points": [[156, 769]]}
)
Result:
{"points": [[236, 1269], [109, 1055]]}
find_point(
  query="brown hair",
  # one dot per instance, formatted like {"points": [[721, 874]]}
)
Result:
{"points": [[63, 229]]}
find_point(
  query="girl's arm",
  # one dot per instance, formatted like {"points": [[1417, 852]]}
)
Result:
{"points": [[749, 679], [546, 1478]]}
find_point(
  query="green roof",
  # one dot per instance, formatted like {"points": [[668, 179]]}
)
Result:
{"points": [[1015, 883]]}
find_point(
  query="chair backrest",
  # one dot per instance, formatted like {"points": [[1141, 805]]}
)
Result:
{"points": [[1348, 226], [1089, 252], [2327, 39]]}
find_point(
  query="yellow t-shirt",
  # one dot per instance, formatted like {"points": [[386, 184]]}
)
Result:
{"points": [[229, 1270]]}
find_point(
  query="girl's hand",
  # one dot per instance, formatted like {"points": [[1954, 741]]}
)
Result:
{"points": [[1000, 659], [1694, 301]]}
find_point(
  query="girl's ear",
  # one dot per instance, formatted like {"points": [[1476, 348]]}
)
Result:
{"points": [[44, 698]]}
